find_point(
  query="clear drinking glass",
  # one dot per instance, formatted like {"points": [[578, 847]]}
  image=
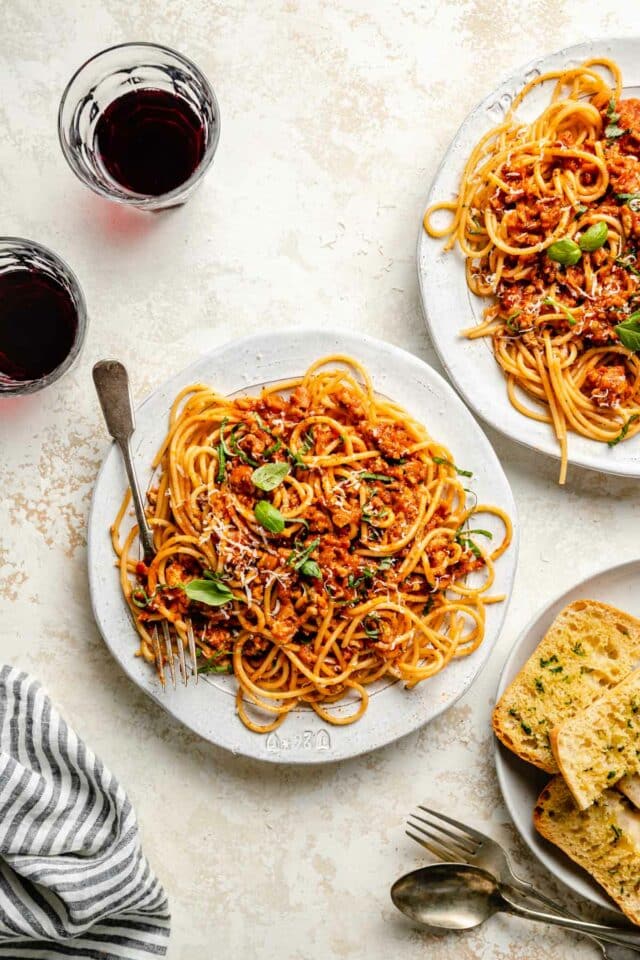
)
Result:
{"points": [[43, 316], [112, 74]]}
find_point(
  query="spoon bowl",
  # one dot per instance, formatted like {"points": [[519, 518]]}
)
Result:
{"points": [[454, 896], [458, 896]]}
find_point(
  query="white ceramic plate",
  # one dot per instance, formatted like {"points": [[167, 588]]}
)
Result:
{"points": [[521, 783], [209, 708], [448, 304]]}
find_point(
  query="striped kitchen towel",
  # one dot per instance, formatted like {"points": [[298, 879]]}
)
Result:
{"points": [[73, 880]]}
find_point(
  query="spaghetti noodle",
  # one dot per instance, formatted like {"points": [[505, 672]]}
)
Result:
{"points": [[318, 540], [548, 218]]}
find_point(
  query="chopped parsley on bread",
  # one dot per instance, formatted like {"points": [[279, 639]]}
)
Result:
{"points": [[604, 839], [598, 746], [588, 648]]}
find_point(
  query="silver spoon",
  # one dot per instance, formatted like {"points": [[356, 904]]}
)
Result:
{"points": [[457, 896]]}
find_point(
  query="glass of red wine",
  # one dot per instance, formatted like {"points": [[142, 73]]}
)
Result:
{"points": [[43, 317], [139, 123]]}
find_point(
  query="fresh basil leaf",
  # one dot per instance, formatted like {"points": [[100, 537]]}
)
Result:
{"points": [[273, 448], [629, 332], [565, 252], [311, 569], [382, 477], [269, 516], [238, 451], [262, 424], [560, 307], [223, 453], [627, 265], [594, 237], [307, 444], [297, 558], [510, 321], [632, 200], [463, 537], [140, 598], [612, 131], [214, 593], [442, 461], [270, 475], [372, 632], [624, 431], [215, 668]]}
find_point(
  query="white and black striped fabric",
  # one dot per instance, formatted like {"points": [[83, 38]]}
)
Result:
{"points": [[73, 880]]}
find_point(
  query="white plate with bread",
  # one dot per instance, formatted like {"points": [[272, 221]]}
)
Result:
{"points": [[568, 725]]}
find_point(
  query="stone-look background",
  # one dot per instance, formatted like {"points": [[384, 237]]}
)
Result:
{"points": [[334, 117]]}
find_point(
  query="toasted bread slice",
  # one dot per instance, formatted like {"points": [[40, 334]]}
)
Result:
{"points": [[598, 746], [630, 786], [588, 648], [604, 840]]}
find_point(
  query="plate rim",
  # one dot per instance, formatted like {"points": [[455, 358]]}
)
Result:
{"points": [[501, 753], [627, 469], [305, 759]]}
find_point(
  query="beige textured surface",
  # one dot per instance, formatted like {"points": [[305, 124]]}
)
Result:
{"points": [[334, 117]]}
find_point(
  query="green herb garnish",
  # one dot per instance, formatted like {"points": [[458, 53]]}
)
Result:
{"points": [[463, 537], [545, 663], [270, 475], [594, 237], [565, 252], [629, 332], [560, 307], [297, 558], [307, 444], [272, 449], [442, 461], [237, 450], [627, 265], [371, 632], [212, 591], [223, 453], [382, 477], [624, 431], [216, 668], [269, 516]]}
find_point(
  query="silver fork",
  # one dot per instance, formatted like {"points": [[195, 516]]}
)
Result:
{"points": [[112, 385], [464, 844]]}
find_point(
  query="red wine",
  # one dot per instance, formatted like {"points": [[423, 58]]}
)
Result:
{"points": [[38, 324], [150, 141]]}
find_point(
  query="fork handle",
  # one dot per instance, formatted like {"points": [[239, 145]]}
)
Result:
{"points": [[529, 890], [144, 531], [112, 386], [612, 917], [623, 938]]}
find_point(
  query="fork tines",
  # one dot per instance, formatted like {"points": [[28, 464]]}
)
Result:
{"points": [[169, 655], [457, 845]]}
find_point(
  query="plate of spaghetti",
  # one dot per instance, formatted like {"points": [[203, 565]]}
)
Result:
{"points": [[344, 575], [529, 257]]}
